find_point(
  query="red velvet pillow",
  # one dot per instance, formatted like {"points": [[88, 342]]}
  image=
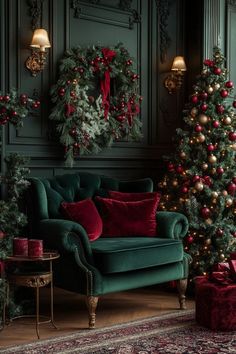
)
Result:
{"points": [[85, 213], [136, 218], [133, 197]]}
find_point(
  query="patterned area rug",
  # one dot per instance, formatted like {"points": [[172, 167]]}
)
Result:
{"points": [[175, 333]]}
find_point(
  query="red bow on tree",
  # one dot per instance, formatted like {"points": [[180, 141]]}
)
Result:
{"points": [[108, 55]]}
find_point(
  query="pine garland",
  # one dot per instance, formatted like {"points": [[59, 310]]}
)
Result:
{"points": [[96, 100]]}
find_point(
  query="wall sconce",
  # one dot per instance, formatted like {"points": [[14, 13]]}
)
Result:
{"points": [[174, 81], [36, 62]]}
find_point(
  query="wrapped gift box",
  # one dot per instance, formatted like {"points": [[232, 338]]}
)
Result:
{"points": [[215, 304]]}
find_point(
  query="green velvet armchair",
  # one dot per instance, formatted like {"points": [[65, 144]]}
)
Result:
{"points": [[105, 265]]}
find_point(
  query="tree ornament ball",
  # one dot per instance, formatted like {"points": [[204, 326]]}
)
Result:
{"points": [[194, 112], [229, 84], [210, 147], [202, 118], [234, 104], [216, 124], [234, 180], [2, 234], [199, 186], [214, 194], [232, 136], [198, 128], [224, 93], [220, 170], [208, 241], [184, 190], [179, 169], [224, 193], [196, 178], [204, 96], [233, 147], [194, 99], [201, 138], [222, 256], [208, 221], [204, 166], [234, 233], [204, 107], [205, 212], [227, 121], [170, 167], [189, 239], [229, 202], [175, 183], [231, 188], [217, 71], [216, 86], [220, 109], [212, 158], [210, 90], [213, 171], [182, 155]]}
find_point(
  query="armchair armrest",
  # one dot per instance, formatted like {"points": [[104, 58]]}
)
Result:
{"points": [[65, 236], [172, 224]]}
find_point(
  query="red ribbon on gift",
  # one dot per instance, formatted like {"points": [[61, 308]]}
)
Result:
{"points": [[105, 86], [224, 273]]}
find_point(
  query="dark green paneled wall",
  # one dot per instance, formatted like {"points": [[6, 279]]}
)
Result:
{"points": [[106, 24]]}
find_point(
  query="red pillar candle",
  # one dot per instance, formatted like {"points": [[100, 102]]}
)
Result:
{"points": [[20, 246], [35, 248]]}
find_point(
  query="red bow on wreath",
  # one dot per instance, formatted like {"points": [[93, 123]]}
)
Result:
{"points": [[108, 55]]}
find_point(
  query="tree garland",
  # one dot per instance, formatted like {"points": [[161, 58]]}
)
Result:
{"points": [[14, 107], [96, 100]]}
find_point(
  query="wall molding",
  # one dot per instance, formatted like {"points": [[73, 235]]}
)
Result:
{"points": [[35, 12], [163, 10], [123, 5]]}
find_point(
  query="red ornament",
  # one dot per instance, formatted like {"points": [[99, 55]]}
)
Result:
{"points": [[6, 98], [216, 124], [208, 62], [204, 95], [198, 128], [61, 91], [1, 98], [179, 169], [189, 239], [220, 170], [2, 234], [234, 104], [203, 107], [23, 97], [220, 109], [170, 167], [229, 84], [195, 178], [231, 188], [234, 233], [194, 99], [184, 189], [210, 147], [72, 94], [234, 180], [13, 113], [217, 71], [3, 110], [224, 93], [120, 118], [205, 212], [232, 136], [81, 70]]}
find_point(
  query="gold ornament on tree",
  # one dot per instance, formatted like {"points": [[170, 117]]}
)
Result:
{"points": [[203, 119], [212, 158]]}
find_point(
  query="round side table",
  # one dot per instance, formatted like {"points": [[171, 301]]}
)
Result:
{"points": [[35, 280]]}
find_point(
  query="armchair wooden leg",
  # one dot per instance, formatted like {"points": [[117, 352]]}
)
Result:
{"points": [[182, 286], [91, 302]]}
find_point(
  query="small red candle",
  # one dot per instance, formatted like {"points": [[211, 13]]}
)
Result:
{"points": [[35, 248], [20, 246]]}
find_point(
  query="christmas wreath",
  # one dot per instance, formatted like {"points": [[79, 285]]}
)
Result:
{"points": [[14, 107], [96, 100]]}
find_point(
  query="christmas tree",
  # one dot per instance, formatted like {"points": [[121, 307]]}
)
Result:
{"points": [[201, 177]]}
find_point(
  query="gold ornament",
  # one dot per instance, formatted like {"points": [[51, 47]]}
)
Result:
{"points": [[222, 256], [208, 221], [214, 194], [214, 201], [213, 171], [204, 166], [212, 158], [216, 87], [175, 183], [210, 89], [194, 112], [182, 155], [201, 138], [199, 186], [233, 147], [208, 241], [227, 121], [229, 202], [224, 192], [202, 118], [75, 82]]}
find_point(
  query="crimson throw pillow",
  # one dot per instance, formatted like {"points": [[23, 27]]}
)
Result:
{"points": [[136, 218], [132, 197], [85, 213]]}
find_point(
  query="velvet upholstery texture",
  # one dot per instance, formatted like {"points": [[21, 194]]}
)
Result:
{"points": [[120, 218], [106, 264], [133, 197], [85, 213]]}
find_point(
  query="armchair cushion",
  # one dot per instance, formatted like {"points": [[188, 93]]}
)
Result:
{"points": [[85, 213], [128, 218], [115, 255]]}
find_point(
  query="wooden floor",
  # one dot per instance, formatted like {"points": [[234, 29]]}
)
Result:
{"points": [[71, 314]]}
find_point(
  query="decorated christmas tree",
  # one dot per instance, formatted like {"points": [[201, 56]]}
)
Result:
{"points": [[201, 177]]}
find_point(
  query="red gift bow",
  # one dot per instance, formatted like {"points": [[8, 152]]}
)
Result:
{"points": [[108, 55], [224, 274]]}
